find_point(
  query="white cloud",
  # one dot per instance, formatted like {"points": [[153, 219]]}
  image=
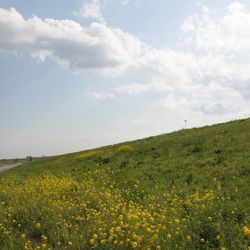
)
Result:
{"points": [[211, 77], [211, 99], [236, 7], [229, 32], [222, 46], [157, 85], [132, 88], [92, 9], [100, 95], [125, 2], [139, 121], [136, 3], [73, 46], [214, 76]]}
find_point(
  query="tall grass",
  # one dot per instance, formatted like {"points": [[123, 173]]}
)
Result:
{"points": [[185, 190]]}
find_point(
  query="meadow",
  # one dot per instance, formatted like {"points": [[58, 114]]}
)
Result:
{"points": [[184, 190]]}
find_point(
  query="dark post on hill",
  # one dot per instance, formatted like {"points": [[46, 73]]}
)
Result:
{"points": [[29, 158]]}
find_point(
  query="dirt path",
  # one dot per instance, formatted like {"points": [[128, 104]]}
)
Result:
{"points": [[8, 166]]}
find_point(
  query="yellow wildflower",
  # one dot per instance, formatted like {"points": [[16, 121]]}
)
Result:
{"points": [[103, 241], [44, 238], [92, 242], [246, 230], [134, 244]]}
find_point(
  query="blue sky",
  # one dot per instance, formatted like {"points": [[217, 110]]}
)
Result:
{"points": [[81, 74]]}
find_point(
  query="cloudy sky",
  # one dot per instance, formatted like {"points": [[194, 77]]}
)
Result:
{"points": [[85, 73]]}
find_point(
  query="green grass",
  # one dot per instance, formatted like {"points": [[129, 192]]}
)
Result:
{"points": [[193, 183]]}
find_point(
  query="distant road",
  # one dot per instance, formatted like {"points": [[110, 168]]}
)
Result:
{"points": [[8, 166]]}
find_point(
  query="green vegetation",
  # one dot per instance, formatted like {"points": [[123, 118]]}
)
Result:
{"points": [[184, 190]]}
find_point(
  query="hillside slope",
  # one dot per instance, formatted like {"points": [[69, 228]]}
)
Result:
{"points": [[184, 190]]}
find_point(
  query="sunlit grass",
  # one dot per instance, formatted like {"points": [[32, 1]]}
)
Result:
{"points": [[55, 212], [170, 192]]}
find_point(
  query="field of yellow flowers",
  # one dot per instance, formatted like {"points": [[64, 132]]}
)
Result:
{"points": [[139, 195]]}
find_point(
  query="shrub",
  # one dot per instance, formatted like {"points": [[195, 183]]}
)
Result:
{"points": [[125, 148]]}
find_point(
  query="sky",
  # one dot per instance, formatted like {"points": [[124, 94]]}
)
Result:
{"points": [[86, 73]]}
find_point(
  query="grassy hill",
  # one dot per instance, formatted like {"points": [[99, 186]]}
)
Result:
{"points": [[185, 190]]}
